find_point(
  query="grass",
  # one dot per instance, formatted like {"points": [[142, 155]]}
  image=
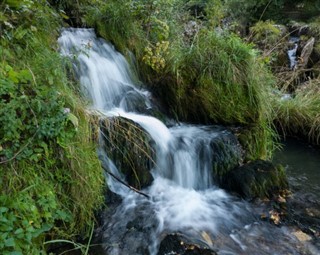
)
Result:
{"points": [[300, 116], [51, 181]]}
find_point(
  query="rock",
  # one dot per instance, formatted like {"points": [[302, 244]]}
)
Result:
{"points": [[301, 236], [257, 179], [128, 230], [175, 244], [283, 29], [298, 28], [306, 53], [191, 29], [227, 153], [129, 146]]}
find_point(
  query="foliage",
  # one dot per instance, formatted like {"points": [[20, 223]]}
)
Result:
{"points": [[50, 177], [265, 32], [251, 11], [28, 214]]}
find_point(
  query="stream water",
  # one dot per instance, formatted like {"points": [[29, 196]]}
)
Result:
{"points": [[183, 197]]}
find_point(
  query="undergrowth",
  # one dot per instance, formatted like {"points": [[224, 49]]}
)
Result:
{"points": [[50, 177]]}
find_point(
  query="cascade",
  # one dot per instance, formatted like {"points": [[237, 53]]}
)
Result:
{"points": [[184, 197], [292, 53]]}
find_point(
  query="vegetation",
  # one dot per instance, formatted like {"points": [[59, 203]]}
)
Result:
{"points": [[201, 75], [50, 177], [300, 115]]}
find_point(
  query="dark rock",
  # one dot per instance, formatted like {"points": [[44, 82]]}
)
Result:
{"points": [[256, 179], [175, 244], [299, 29], [129, 230], [129, 146], [227, 153]]}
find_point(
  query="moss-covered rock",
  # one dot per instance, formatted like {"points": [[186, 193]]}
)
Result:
{"points": [[129, 147], [257, 179], [227, 153]]}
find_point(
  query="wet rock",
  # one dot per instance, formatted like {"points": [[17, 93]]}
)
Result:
{"points": [[227, 153], [128, 230], [299, 28], [129, 146], [175, 244], [306, 53], [303, 211], [301, 236], [256, 179]]}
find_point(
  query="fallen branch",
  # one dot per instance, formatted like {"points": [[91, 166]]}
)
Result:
{"points": [[127, 185]]}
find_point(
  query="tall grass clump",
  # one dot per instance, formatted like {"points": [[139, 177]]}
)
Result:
{"points": [[219, 79], [50, 177], [300, 116]]}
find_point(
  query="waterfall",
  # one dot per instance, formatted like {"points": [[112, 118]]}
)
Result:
{"points": [[183, 195], [292, 53]]}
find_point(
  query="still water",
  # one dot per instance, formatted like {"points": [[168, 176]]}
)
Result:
{"points": [[302, 162]]}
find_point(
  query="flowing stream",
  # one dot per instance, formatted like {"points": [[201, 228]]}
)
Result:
{"points": [[183, 197]]}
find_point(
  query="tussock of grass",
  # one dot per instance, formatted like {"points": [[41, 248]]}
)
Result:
{"points": [[300, 116]]}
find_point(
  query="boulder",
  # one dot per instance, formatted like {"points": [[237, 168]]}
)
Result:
{"points": [[257, 179], [176, 244], [306, 53], [129, 147]]}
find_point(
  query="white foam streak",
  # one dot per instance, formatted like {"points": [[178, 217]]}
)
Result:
{"points": [[155, 128], [191, 211]]}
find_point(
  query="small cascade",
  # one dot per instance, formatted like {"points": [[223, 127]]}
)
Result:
{"points": [[183, 197], [292, 53], [103, 72]]}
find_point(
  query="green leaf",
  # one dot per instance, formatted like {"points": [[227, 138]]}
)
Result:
{"points": [[13, 76], [3, 209], [18, 231], [16, 253], [9, 242]]}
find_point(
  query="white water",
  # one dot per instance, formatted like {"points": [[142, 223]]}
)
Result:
{"points": [[292, 54], [183, 196]]}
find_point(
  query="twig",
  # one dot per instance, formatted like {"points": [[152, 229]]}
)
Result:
{"points": [[127, 185]]}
